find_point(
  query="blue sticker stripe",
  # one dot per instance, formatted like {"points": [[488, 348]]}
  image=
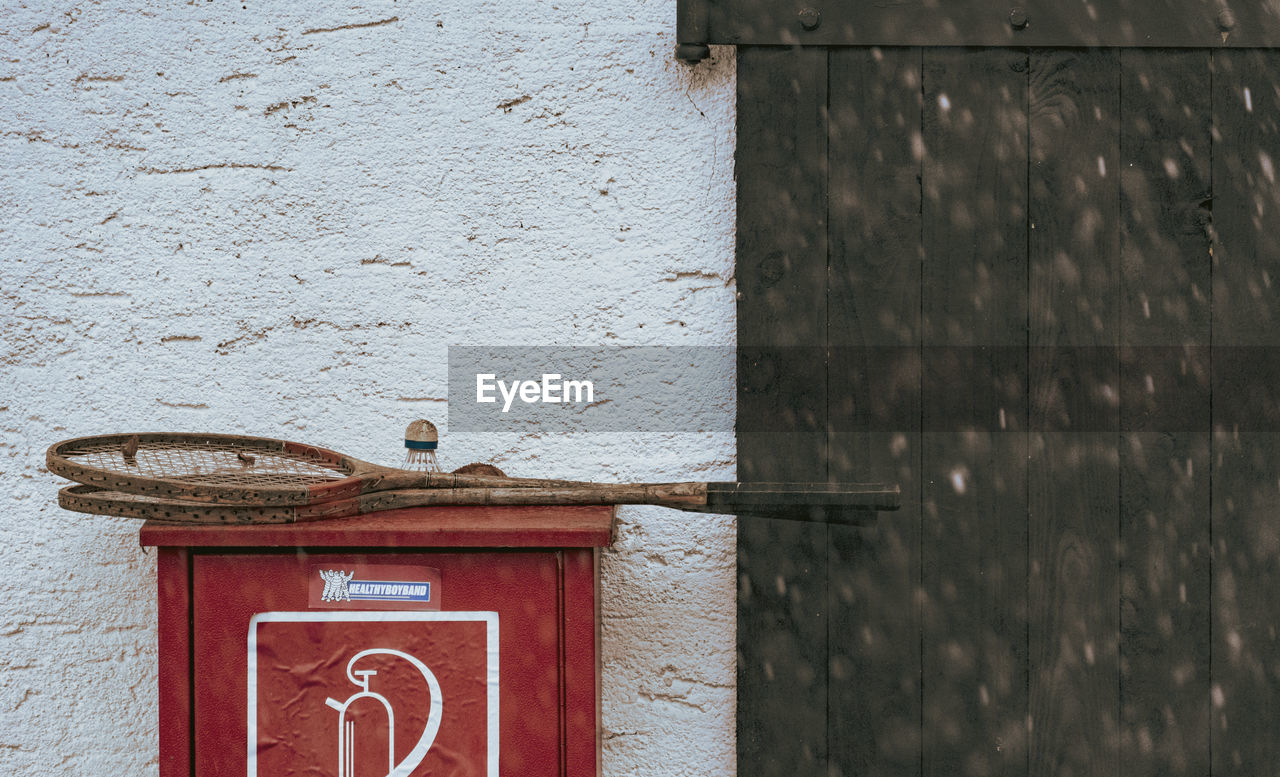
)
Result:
{"points": [[390, 590]]}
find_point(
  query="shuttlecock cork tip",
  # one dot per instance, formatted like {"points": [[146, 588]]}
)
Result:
{"points": [[421, 431], [420, 440]]}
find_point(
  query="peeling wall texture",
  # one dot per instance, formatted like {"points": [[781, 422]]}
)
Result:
{"points": [[269, 219]]}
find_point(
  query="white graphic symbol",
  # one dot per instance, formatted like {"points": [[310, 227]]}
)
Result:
{"points": [[335, 585], [346, 728]]}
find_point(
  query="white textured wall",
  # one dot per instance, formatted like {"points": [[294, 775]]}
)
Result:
{"points": [[258, 218]]}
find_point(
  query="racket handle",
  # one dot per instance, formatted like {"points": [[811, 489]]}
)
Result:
{"points": [[839, 504], [775, 497], [686, 496]]}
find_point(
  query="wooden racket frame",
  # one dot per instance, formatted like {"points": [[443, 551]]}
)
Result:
{"points": [[352, 476], [88, 499], [849, 504], [359, 487]]}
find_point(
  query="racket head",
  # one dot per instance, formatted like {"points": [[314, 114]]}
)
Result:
{"points": [[96, 501], [214, 468]]}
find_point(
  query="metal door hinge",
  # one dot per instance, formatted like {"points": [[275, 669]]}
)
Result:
{"points": [[692, 22]]}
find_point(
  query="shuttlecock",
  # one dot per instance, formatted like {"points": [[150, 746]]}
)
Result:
{"points": [[420, 440]]}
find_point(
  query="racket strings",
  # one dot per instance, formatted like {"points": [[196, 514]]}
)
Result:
{"points": [[205, 463]]}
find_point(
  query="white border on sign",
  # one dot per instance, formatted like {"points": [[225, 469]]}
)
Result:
{"points": [[490, 619]]}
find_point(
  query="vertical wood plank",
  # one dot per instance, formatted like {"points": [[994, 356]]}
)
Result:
{"points": [[782, 263], [781, 272], [173, 577], [973, 287], [580, 743], [1073, 478], [873, 407], [1166, 197], [1245, 693], [1164, 413]]}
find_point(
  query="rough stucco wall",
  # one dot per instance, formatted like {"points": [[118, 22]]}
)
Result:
{"points": [[273, 220]]}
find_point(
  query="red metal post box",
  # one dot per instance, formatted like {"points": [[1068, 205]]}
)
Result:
{"points": [[431, 641]]}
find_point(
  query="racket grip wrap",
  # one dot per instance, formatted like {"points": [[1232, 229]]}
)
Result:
{"points": [[781, 497]]}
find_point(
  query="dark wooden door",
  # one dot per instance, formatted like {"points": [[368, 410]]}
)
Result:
{"points": [[1038, 289]]}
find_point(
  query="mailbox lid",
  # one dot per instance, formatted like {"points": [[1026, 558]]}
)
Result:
{"points": [[518, 594], [570, 526]]}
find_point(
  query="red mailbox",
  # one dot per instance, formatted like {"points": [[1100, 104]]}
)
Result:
{"points": [[446, 640]]}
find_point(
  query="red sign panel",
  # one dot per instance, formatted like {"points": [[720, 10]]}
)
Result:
{"points": [[283, 706], [380, 694]]}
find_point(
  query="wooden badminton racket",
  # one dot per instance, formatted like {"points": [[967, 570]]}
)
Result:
{"points": [[231, 469], [845, 504]]}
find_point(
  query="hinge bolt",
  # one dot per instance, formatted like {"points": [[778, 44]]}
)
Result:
{"points": [[810, 18], [692, 53], [1226, 20], [1018, 19]]}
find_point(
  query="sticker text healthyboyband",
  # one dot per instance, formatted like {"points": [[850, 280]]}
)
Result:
{"points": [[388, 591]]}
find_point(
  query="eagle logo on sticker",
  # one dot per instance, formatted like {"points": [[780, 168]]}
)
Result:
{"points": [[335, 585]]}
